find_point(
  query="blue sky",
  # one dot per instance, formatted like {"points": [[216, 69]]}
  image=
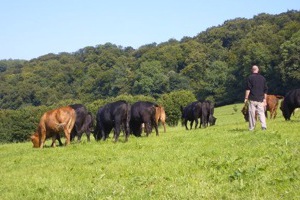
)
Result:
{"points": [[33, 28]]}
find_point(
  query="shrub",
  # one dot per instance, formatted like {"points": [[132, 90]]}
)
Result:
{"points": [[172, 103], [18, 125]]}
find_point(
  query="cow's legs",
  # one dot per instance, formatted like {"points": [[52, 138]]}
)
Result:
{"points": [[196, 123], [42, 138], [148, 128], [53, 141], [59, 140], [79, 137], [103, 135], [191, 124], [88, 133], [156, 127], [275, 113], [185, 124], [117, 132], [67, 135]]}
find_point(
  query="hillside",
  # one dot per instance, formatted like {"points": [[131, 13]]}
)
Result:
{"points": [[213, 65]]}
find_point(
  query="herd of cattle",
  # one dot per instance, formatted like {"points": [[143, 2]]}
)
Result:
{"points": [[120, 116], [289, 103], [74, 120]]}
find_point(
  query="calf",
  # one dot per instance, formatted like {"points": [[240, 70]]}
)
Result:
{"points": [[160, 115], [272, 105]]}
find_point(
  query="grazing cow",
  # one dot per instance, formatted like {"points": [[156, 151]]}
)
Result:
{"points": [[115, 116], [207, 114], [272, 105], [160, 115], [52, 123], [143, 112], [191, 112], [290, 102], [83, 123], [212, 121]]}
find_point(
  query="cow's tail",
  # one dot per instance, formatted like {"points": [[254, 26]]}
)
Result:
{"points": [[69, 126]]}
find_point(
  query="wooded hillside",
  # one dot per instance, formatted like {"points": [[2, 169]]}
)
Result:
{"points": [[213, 65]]}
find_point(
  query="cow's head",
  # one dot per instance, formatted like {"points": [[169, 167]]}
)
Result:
{"points": [[212, 120], [35, 140], [285, 110]]}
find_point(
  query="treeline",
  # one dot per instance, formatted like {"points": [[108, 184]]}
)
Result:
{"points": [[212, 65]]}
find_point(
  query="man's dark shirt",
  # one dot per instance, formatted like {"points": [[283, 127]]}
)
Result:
{"points": [[257, 85]]}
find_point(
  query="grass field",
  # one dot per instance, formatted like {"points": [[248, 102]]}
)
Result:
{"points": [[224, 161]]}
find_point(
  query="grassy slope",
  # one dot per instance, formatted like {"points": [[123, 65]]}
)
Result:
{"points": [[225, 161]]}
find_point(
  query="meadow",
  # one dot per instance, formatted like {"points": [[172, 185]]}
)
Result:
{"points": [[225, 161]]}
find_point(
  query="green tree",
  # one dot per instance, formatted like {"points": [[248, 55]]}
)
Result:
{"points": [[290, 65], [172, 102], [149, 79]]}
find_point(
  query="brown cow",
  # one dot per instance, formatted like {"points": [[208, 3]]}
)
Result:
{"points": [[272, 105], [160, 115], [52, 123]]}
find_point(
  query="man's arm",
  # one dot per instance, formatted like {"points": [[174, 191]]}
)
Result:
{"points": [[265, 99], [246, 95]]}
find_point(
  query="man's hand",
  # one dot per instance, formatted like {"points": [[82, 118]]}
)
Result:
{"points": [[265, 102]]}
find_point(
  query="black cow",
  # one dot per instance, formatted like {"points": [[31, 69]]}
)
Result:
{"points": [[207, 114], [143, 112], [112, 116], [83, 123], [191, 112], [290, 102], [212, 120]]}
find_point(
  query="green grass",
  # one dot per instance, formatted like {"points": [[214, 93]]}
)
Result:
{"points": [[225, 161]]}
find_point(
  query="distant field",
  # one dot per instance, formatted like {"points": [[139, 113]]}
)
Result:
{"points": [[224, 161]]}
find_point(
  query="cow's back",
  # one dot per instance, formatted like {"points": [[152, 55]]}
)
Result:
{"points": [[52, 123], [110, 111], [140, 108], [57, 119], [192, 110], [293, 98], [81, 114]]}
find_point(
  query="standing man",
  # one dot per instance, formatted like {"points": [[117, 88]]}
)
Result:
{"points": [[256, 94]]}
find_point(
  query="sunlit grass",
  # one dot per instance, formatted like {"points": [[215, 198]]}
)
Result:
{"points": [[225, 161]]}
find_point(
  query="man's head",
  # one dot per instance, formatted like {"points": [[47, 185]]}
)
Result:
{"points": [[255, 69]]}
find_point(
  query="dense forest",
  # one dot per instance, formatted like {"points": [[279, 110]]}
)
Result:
{"points": [[213, 65]]}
